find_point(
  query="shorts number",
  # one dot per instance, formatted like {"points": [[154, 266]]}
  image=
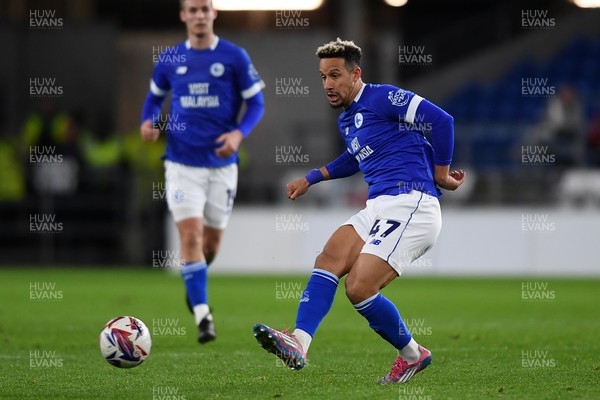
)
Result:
{"points": [[230, 198], [377, 225]]}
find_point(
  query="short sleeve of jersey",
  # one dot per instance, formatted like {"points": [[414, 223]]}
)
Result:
{"points": [[159, 84], [248, 79], [398, 104]]}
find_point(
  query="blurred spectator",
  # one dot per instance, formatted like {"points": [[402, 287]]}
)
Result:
{"points": [[52, 156], [594, 138], [562, 128], [12, 181], [102, 152]]}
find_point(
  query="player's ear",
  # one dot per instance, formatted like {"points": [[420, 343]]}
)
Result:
{"points": [[356, 74], [213, 9], [182, 15]]}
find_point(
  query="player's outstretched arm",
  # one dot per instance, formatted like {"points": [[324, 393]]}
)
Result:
{"points": [[300, 186], [343, 166], [446, 179]]}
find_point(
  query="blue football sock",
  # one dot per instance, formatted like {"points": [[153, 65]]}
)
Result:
{"points": [[316, 300], [384, 318], [195, 277]]}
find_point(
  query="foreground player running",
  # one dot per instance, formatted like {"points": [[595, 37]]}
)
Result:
{"points": [[383, 127], [210, 78]]}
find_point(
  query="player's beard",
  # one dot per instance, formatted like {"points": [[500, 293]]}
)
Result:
{"points": [[199, 32]]}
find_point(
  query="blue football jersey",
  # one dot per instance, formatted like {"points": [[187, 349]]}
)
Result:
{"points": [[208, 88], [384, 129]]}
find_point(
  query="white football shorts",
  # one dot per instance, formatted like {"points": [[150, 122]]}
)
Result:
{"points": [[207, 193], [398, 229]]}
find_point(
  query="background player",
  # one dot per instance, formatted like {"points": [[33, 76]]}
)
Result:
{"points": [[383, 127], [210, 78]]}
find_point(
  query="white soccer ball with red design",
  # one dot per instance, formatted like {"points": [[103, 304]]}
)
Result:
{"points": [[125, 342]]}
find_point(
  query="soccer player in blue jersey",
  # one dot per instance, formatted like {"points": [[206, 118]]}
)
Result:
{"points": [[209, 79], [384, 131]]}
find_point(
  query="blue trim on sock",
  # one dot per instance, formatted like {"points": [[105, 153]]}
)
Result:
{"points": [[385, 320], [195, 277], [193, 267], [327, 275], [366, 303]]}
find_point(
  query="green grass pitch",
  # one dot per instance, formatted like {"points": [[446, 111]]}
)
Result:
{"points": [[515, 338]]}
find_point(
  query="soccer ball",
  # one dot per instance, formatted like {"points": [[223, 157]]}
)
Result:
{"points": [[125, 342]]}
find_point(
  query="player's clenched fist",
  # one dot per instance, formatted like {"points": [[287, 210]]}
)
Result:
{"points": [[449, 180], [149, 132], [297, 188], [229, 143]]}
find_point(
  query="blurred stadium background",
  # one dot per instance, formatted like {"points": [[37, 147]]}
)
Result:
{"points": [[521, 78]]}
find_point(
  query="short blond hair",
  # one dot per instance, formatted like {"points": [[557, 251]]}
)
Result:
{"points": [[346, 49]]}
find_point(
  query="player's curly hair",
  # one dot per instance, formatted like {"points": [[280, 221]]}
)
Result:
{"points": [[345, 49]]}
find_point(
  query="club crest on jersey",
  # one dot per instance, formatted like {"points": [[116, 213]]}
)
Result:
{"points": [[217, 69], [400, 98], [358, 120], [181, 70]]}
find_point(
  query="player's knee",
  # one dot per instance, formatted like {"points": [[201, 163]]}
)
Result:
{"points": [[191, 238], [328, 261], [357, 291]]}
